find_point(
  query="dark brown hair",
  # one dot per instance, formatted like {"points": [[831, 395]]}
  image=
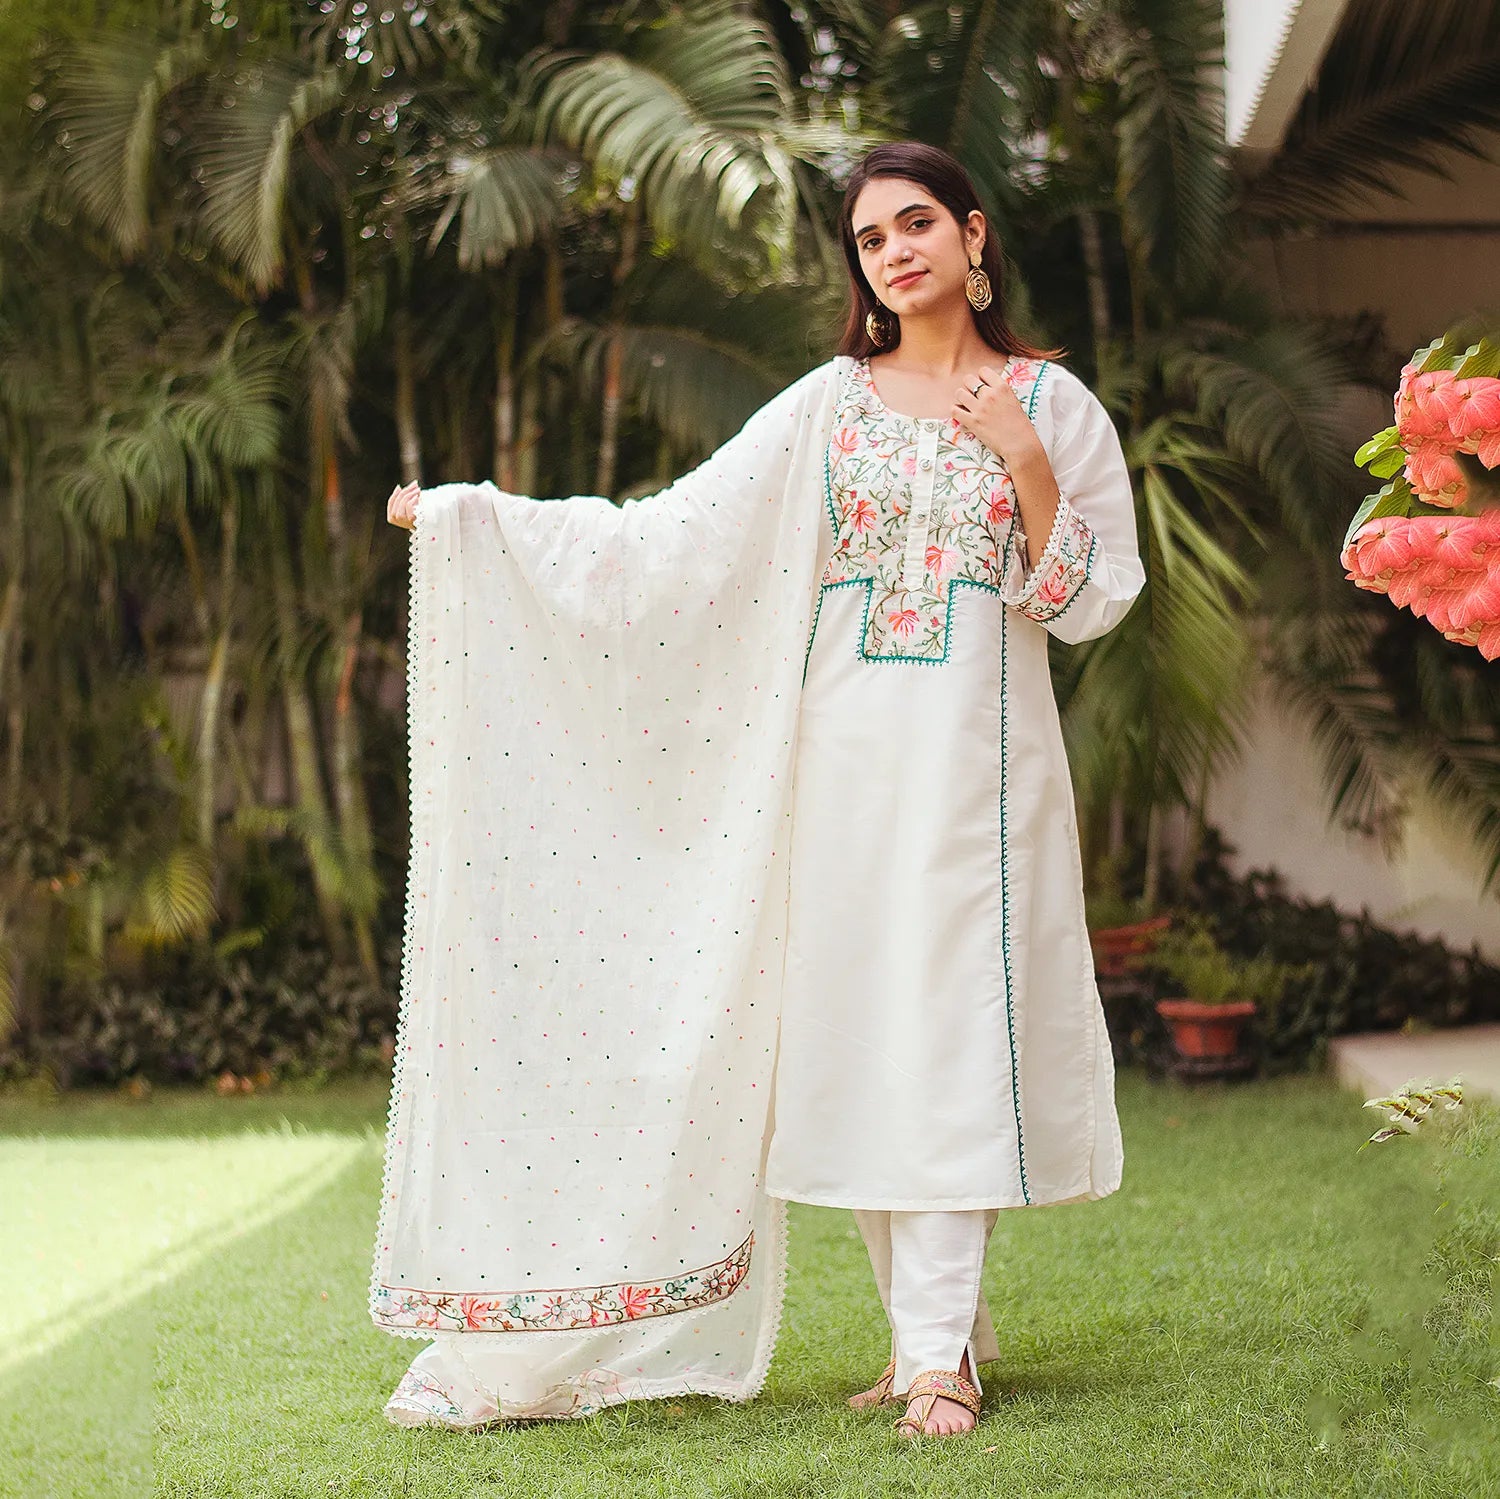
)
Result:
{"points": [[944, 177]]}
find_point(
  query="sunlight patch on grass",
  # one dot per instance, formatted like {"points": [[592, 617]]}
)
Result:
{"points": [[92, 1223]]}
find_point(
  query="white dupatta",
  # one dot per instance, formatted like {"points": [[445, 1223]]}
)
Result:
{"points": [[602, 716]]}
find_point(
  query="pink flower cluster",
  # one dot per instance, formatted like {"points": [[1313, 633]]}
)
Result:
{"points": [[1446, 569], [1438, 415]]}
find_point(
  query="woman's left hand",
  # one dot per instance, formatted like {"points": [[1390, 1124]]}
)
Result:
{"points": [[995, 416]]}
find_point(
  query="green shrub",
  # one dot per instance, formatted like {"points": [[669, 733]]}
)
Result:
{"points": [[1356, 974], [203, 1017], [1188, 955]]}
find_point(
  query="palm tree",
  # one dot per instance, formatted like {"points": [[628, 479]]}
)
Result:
{"points": [[269, 200]]}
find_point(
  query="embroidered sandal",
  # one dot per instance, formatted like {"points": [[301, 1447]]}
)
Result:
{"points": [[928, 1386], [879, 1393]]}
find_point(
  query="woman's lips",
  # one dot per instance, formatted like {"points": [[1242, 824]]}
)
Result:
{"points": [[907, 279]]}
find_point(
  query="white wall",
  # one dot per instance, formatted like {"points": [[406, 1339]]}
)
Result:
{"points": [[1272, 807]]}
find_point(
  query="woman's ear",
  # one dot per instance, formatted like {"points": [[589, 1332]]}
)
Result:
{"points": [[974, 231]]}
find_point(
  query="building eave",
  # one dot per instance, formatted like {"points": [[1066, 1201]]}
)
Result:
{"points": [[1272, 56]]}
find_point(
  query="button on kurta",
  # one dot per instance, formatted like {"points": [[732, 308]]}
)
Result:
{"points": [[914, 558]]}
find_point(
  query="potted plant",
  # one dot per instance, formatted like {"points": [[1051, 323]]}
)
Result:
{"points": [[1222, 992], [1122, 930]]}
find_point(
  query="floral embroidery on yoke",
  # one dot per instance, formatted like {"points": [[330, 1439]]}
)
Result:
{"points": [[919, 508], [569, 1308]]}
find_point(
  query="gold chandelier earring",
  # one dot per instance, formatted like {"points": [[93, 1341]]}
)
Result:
{"points": [[878, 326], [977, 285]]}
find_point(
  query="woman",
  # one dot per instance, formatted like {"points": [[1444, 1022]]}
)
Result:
{"points": [[880, 953]]}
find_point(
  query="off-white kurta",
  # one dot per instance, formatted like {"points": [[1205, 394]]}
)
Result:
{"points": [[942, 1041]]}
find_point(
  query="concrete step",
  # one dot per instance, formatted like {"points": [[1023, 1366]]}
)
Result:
{"points": [[1380, 1062]]}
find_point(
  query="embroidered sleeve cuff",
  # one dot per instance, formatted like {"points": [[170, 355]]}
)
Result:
{"points": [[1060, 572]]}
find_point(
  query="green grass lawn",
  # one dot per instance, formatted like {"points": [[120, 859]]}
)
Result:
{"points": [[187, 1317]]}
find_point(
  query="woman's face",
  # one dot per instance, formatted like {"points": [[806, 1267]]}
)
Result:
{"points": [[914, 253]]}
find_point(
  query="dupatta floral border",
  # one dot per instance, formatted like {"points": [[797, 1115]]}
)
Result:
{"points": [[564, 1309]]}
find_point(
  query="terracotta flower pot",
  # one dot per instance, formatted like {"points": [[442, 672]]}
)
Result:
{"points": [[1207, 1036], [1115, 945]]}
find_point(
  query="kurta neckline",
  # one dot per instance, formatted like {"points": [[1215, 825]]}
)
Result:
{"points": [[929, 422]]}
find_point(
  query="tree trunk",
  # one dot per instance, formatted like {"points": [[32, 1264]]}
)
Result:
{"points": [[10, 681], [1197, 825], [609, 415], [552, 393], [323, 464], [1098, 289], [211, 707], [208, 727], [349, 792], [505, 383], [1151, 883], [408, 433], [302, 748], [531, 432]]}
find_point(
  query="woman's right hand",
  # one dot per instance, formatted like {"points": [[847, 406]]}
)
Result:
{"points": [[401, 508]]}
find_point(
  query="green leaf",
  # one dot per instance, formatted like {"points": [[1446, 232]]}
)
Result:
{"points": [[1438, 355], [1394, 499], [245, 152], [1481, 360], [1173, 184], [111, 92], [693, 115], [1382, 442]]}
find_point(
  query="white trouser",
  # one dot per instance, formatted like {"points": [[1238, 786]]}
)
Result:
{"points": [[927, 1269]]}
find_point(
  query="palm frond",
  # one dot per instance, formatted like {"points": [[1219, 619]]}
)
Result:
{"points": [[339, 868], [110, 91], [1463, 777], [1270, 395], [381, 39], [966, 77], [504, 199], [1324, 669], [176, 898], [234, 417], [136, 456], [691, 115], [1173, 182], [244, 150], [697, 390]]}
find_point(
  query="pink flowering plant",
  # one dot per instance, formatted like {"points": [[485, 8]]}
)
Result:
{"points": [[1429, 538]]}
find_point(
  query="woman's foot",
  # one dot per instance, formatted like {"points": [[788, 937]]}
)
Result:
{"points": [[947, 1417], [878, 1393]]}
